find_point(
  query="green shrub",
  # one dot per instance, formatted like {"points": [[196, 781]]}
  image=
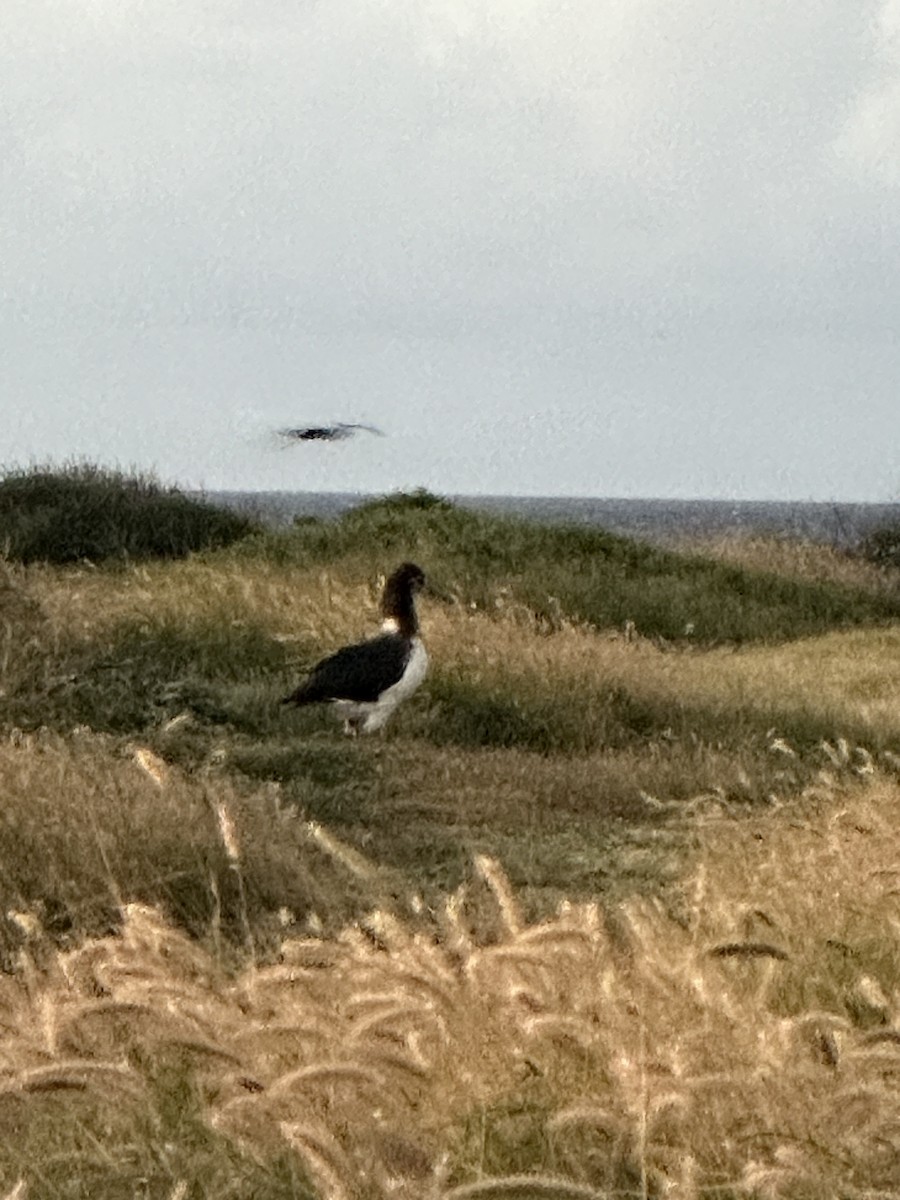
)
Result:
{"points": [[82, 511], [882, 546]]}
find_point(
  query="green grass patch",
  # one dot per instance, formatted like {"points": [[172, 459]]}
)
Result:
{"points": [[141, 672], [515, 712], [325, 763]]}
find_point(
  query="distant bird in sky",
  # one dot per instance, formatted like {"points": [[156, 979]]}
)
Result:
{"points": [[326, 433], [365, 682]]}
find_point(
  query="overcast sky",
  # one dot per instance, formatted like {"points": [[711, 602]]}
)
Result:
{"points": [[564, 247]]}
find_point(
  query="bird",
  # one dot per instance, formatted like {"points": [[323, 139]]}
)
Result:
{"points": [[326, 433], [366, 681]]}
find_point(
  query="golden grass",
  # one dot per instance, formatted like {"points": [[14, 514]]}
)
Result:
{"points": [[847, 676], [742, 1035], [83, 601], [795, 558], [89, 822]]}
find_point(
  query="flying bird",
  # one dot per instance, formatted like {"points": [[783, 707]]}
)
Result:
{"points": [[365, 682], [326, 433]]}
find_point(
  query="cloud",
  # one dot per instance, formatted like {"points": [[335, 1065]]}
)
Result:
{"points": [[606, 209], [361, 156], [869, 144]]}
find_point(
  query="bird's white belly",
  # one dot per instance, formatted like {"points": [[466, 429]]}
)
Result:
{"points": [[412, 677], [379, 710]]}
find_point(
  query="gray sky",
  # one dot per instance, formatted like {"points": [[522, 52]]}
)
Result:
{"points": [[585, 247]]}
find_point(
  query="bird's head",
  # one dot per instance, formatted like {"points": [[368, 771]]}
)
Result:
{"points": [[397, 602], [409, 577]]}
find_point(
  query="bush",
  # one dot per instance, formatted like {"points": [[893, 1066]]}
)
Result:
{"points": [[882, 546], [82, 511]]}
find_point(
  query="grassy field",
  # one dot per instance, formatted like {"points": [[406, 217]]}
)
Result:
{"points": [[610, 909]]}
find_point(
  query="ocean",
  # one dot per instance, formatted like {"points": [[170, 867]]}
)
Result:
{"points": [[661, 521]]}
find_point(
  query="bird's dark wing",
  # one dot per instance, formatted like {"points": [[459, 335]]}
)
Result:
{"points": [[313, 433], [325, 433], [360, 672]]}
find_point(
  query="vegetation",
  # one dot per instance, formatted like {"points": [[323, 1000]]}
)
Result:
{"points": [[585, 574], [882, 547], [739, 1039], [248, 957], [65, 515]]}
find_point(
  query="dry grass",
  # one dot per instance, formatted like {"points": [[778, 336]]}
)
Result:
{"points": [[741, 1038], [82, 601], [89, 823], [845, 676], [795, 558]]}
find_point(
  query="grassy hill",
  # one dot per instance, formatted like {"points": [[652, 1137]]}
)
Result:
{"points": [[86, 512], [653, 745]]}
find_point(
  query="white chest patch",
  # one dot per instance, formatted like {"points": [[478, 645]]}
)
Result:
{"points": [[416, 670]]}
